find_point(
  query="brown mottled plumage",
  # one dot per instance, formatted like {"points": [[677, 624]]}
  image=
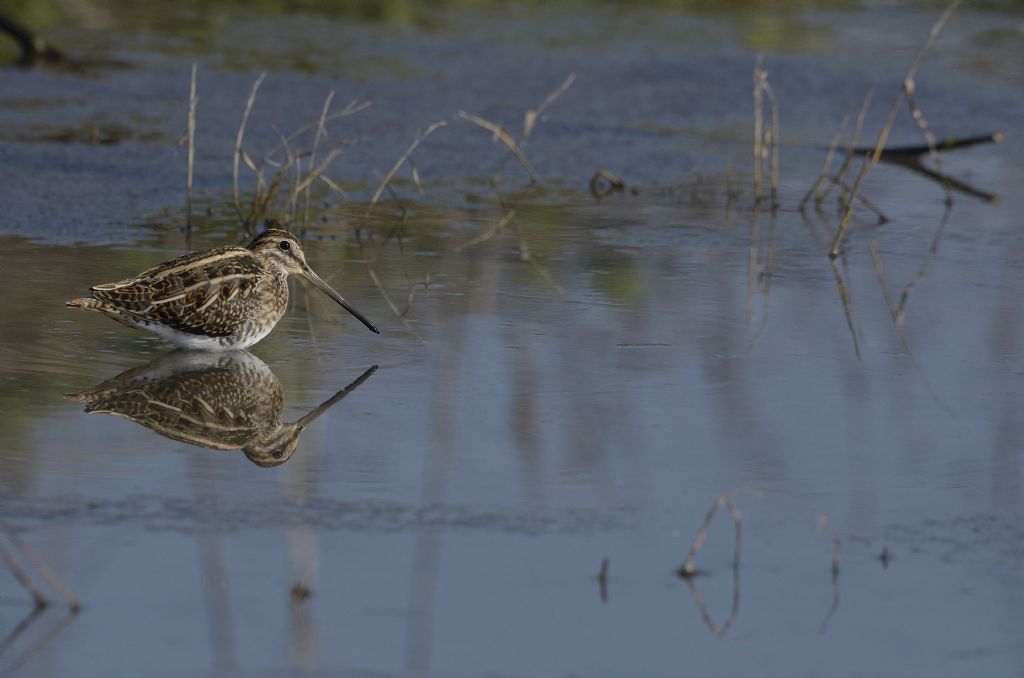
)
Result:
{"points": [[222, 401], [220, 299]]}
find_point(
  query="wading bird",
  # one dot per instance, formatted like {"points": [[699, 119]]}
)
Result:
{"points": [[216, 300]]}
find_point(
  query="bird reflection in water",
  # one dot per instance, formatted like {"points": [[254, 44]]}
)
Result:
{"points": [[223, 401]]}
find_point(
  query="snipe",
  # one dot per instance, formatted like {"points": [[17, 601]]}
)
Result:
{"points": [[221, 401], [220, 299]]}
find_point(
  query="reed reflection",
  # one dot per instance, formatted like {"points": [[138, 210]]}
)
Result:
{"points": [[222, 401]]}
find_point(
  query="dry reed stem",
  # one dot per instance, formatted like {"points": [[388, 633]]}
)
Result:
{"points": [[387, 299], [314, 174], [688, 569], [866, 165], [880, 272], [496, 228], [836, 181], [192, 101], [321, 132], [827, 166], [531, 117], [353, 107], [412, 293], [766, 143], [752, 264], [238, 141], [774, 142], [52, 633], [883, 137], [501, 134], [420, 136], [530, 120], [705, 615], [896, 312], [295, 161], [847, 302], [762, 281], [932, 250], [73, 603], [415, 176], [825, 523], [910, 89], [22, 577], [851, 148], [11, 638], [602, 580], [758, 133], [333, 186]]}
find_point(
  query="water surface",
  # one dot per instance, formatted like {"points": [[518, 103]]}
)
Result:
{"points": [[579, 387]]}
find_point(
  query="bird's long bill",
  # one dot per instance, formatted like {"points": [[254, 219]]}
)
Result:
{"points": [[329, 291], [323, 407]]}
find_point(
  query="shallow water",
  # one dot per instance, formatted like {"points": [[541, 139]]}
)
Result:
{"points": [[579, 387]]}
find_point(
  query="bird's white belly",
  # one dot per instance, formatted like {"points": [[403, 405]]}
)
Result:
{"points": [[198, 342]]}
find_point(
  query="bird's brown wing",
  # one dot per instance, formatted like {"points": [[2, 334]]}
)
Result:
{"points": [[207, 293]]}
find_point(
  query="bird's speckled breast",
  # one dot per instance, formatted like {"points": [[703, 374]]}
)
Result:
{"points": [[272, 301]]}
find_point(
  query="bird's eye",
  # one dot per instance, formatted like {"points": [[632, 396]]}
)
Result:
{"points": [[285, 245]]}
